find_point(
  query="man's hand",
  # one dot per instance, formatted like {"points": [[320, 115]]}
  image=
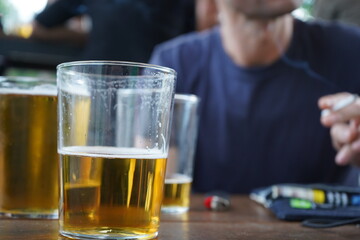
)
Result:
{"points": [[344, 123]]}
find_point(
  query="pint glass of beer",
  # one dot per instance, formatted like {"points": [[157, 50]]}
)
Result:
{"points": [[28, 155], [114, 120], [181, 154]]}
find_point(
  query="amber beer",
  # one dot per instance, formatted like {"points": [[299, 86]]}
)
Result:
{"points": [[114, 121], [28, 153], [177, 193], [181, 154], [111, 191]]}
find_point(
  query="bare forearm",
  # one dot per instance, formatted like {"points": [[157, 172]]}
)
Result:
{"points": [[58, 34]]}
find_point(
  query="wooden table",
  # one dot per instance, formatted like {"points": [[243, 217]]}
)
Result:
{"points": [[245, 220]]}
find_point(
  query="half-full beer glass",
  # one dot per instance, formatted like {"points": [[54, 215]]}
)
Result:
{"points": [[113, 143], [28, 157], [179, 170]]}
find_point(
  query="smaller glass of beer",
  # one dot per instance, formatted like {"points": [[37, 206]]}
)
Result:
{"points": [[181, 154], [114, 126], [29, 169]]}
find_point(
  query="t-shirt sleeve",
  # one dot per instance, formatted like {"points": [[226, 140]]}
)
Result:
{"points": [[157, 57], [335, 54], [343, 48], [59, 12], [186, 55], [164, 56]]}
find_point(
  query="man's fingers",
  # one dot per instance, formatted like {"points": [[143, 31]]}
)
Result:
{"points": [[345, 114], [342, 134], [344, 156], [341, 112], [330, 100]]}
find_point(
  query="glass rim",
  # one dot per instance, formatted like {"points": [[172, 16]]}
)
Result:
{"points": [[118, 63], [184, 97]]}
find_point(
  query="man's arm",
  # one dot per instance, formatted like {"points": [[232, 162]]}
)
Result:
{"points": [[61, 34], [50, 24]]}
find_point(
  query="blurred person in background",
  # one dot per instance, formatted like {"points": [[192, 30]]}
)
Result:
{"points": [[120, 29], [345, 11], [206, 14], [259, 76]]}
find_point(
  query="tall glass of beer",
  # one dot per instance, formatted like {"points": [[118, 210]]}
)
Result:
{"points": [[179, 169], [28, 156], [113, 142]]}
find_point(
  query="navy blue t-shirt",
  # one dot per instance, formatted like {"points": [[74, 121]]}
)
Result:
{"points": [[261, 126]]}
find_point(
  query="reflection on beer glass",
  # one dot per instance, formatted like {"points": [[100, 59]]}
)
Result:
{"points": [[28, 156], [181, 154], [113, 142]]}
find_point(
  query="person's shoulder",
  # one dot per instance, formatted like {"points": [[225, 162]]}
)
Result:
{"points": [[187, 55], [191, 43], [60, 11], [329, 39], [331, 29], [333, 49]]}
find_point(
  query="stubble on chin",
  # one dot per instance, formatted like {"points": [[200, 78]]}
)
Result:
{"points": [[263, 9]]}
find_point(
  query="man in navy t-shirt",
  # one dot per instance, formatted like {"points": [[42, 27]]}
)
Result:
{"points": [[259, 76]]}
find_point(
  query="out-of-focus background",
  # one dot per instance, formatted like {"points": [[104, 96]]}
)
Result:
{"points": [[18, 14], [20, 54]]}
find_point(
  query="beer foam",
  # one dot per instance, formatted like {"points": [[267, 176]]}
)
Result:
{"points": [[33, 91], [112, 152], [178, 178]]}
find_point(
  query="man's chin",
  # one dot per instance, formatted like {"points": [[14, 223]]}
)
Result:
{"points": [[267, 15], [265, 9]]}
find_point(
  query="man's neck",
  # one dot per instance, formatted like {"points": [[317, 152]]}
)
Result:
{"points": [[251, 42]]}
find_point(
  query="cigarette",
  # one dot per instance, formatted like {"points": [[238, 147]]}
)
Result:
{"points": [[340, 105]]}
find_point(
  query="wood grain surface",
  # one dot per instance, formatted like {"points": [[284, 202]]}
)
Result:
{"points": [[245, 220]]}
